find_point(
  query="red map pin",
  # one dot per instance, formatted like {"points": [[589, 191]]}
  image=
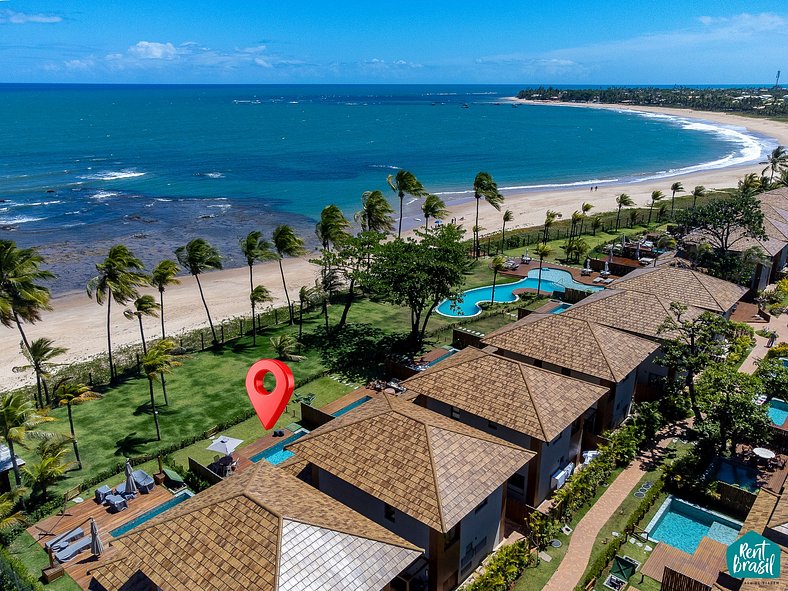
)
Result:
{"points": [[269, 406]]}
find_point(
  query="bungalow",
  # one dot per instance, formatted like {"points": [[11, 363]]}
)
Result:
{"points": [[527, 406], [580, 349], [261, 529], [436, 482]]}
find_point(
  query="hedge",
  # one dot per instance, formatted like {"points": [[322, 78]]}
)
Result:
{"points": [[503, 569], [14, 574]]}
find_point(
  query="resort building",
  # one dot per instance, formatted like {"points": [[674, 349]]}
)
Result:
{"points": [[261, 529], [531, 407], [580, 349], [436, 482]]}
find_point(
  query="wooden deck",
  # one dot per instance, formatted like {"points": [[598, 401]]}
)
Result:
{"points": [[704, 565]]}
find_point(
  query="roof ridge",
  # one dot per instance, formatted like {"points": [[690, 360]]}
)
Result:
{"points": [[533, 402], [435, 476], [602, 349], [277, 558], [697, 275]]}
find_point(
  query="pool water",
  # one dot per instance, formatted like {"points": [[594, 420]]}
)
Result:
{"points": [[352, 405], [738, 475], [778, 411], [560, 308], [148, 515], [683, 525], [276, 454], [553, 280]]}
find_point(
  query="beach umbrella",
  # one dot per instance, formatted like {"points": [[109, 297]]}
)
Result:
{"points": [[588, 263], [131, 486], [607, 269], [225, 445], [96, 545], [637, 252]]}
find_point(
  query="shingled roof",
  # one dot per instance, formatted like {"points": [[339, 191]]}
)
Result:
{"points": [[631, 311], [574, 343], [261, 529], [530, 400], [675, 284], [428, 466]]}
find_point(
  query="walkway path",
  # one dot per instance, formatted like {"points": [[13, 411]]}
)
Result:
{"points": [[573, 566], [779, 325]]}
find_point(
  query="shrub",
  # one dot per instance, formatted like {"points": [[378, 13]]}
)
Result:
{"points": [[504, 568], [779, 350], [195, 482]]}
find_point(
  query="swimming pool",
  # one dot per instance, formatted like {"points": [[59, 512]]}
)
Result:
{"points": [[148, 515], [734, 473], [683, 525], [778, 411], [553, 280], [352, 405], [277, 454], [560, 308]]}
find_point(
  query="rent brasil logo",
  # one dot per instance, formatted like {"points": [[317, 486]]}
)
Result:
{"points": [[753, 557]]}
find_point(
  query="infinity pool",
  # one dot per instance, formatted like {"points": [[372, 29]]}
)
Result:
{"points": [[738, 475], [778, 411], [683, 525], [276, 454], [148, 515], [553, 281]]}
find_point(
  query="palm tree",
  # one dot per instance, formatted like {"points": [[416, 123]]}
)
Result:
{"points": [[18, 418], [622, 200], [778, 158], [508, 216], [199, 256], [143, 306], [549, 220], [163, 275], [405, 183], [433, 207], [285, 346], [51, 466], [70, 394], [9, 517], [120, 274], [287, 243], [257, 296], [332, 227], [159, 360], [497, 265], [698, 191], [254, 249], [655, 196], [750, 184], [485, 187], [39, 356], [306, 295], [596, 223], [543, 251], [584, 209], [22, 298], [674, 188], [375, 214], [633, 217]]}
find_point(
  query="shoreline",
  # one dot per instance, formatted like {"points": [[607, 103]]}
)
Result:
{"points": [[78, 323]]}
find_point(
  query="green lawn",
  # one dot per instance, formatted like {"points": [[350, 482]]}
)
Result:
{"points": [[26, 549]]}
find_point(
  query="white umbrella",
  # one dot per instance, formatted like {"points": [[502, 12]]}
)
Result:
{"points": [[225, 445], [637, 252], [96, 545], [607, 269], [131, 486], [588, 263]]}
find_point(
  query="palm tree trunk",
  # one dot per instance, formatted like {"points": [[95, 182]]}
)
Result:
{"points": [[503, 235], [476, 232], [426, 223], [109, 340], [254, 332], [492, 295], [618, 217], [204, 303], [348, 303], [648, 223], [161, 306], [40, 400], [284, 284], [401, 199], [46, 390], [155, 412], [73, 436], [164, 389], [672, 204], [17, 475], [142, 336], [300, 319], [539, 281], [325, 310]]}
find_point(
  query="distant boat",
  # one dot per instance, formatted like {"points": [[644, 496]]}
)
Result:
{"points": [[465, 106]]}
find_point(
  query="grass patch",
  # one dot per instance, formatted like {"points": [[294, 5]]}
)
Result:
{"points": [[33, 556]]}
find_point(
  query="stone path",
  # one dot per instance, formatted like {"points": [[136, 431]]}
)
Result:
{"points": [[573, 566], [779, 325]]}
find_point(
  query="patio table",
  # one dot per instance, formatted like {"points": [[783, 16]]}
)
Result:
{"points": [[764, 453]]}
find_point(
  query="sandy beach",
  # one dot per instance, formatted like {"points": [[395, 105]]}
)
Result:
{"points": [[78, 323]]}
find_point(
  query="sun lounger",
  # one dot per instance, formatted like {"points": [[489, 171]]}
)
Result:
{"points": [[73, 549], [69, 536], [174, 480], [101, 494], [116, 503], [143, 480], [596, 280], [607, 281]]}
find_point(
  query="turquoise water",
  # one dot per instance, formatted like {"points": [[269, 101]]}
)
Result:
{"points": [[778, 411], [683, 526], [137, 521], [446, 355], [276, 454], [162, 164], [352, 405], [742, 476], [553, 281], [560, 308]]}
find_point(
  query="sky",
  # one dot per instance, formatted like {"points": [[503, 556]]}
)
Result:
{"points": [[366, 41]]}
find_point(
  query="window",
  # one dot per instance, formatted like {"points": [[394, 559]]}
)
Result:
{"points": [[451, 536], [455, 413], [388, 512], [492, 425]]}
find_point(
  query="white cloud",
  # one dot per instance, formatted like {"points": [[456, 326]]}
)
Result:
{"points": [[13, 17], [151, 50], [79, 64]]}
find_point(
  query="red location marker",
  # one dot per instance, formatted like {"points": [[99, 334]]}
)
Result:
{"points": [[269, 406]]}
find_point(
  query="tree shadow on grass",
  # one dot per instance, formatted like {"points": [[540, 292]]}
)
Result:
{"points": [[131, 445]]}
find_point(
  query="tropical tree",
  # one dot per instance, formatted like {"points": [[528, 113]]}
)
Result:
{"points": [[9, 516], [484, 187], [51, 466], [199, 256], [655, 196], [633, 217], [749, 185], [18, 418], [777, 160], [596, 223], [542, 251], [143, 306], [433, 207], [698, 191], [287, 243], [584, 209], [549, 220], [40, 354], [68, 393], [676, 187], [306, 297], [22, 297], [258, 295], [163, 275], [332, 227], [285, 347], [497, 265], [405, 183], [254, 249], [119, 276], [157, 361], [622, 200], [508, 216], [375, 214]]}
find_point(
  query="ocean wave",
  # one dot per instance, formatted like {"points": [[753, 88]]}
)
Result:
{"points": [[113, 175], [101, 195], [210, 175], [386, 166], [38, 203], [540, 186], [19, 219], [162, 199], [222, 207]]}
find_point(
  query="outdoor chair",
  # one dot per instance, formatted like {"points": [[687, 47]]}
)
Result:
{"points": [[143, 480], [72, 549], [585, 272], [116, 503], [120, 491], [101, 494], [65, 538]]}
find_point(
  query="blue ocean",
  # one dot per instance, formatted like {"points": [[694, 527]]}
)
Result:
{"points": [[86, 166]]}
